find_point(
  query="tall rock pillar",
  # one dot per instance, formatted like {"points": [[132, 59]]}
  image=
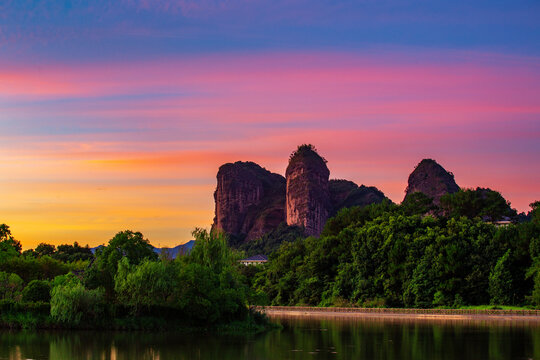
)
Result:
{"points": [[249, 199], [308, 197]]}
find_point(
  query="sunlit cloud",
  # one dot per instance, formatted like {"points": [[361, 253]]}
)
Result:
{"points": [[89, 149]]}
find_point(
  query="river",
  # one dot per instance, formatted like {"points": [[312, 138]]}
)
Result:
{"points": [[300, 338]]}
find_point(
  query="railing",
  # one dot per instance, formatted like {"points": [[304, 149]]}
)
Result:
{"points": [[400, 311]]}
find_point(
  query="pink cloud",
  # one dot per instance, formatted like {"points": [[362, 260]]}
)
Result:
{"points": [[374, 117], [304, 85]]}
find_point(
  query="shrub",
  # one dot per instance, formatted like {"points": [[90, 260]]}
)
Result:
{"points": [[37, 290], [500, 281], [25, 315], [146, 284], [71, 303], [10, 286]]}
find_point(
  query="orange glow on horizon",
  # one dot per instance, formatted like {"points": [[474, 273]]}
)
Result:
{"points": [[137, 145]]}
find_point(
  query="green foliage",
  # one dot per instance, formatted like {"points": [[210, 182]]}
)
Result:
{"points": [[7, 251], [394, 255], [127, 286], [280, 278], [210, 285], [9, 247], [271, 241], [211, 251], [7, 238], [70, 253], [11, 286], [129, 244], [37, 291], [25, 315], [45, 250], [303, 150], [29, 253], [418, 204], [356, 217], [34, 269], [204, 286], [536, 290], [126, 244], [72, 304], [64, 253], [483, 203], [147, 284], [535, 212], [500, 281]]}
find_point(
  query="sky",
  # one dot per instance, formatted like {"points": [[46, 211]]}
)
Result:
{"points": [[116, 115]]}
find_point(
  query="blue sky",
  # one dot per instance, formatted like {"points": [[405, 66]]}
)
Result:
{"points": [[117, 114]]}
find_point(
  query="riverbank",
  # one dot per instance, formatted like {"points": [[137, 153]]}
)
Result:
{"points": [[32, 316], [402, 314]]}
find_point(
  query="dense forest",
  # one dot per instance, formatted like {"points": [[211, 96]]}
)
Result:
{"points": [[125, 285], [411, 255], [416, 254]]}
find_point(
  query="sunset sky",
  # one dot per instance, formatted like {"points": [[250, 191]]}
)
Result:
{"points": [[117, 114]]}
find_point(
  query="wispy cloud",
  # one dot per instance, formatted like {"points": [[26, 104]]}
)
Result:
{"points": [[162, 127]]}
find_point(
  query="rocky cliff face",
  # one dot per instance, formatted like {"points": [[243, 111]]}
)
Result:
{"points": [[250, 200], [308, 195], [344, 193], [431, 179]]}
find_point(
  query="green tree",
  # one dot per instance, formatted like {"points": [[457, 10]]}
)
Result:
{"points": [[149, 283], [30, 253], [129, 244], [71, 303], [481, 202], [7, 237], [536, 289], [535, 212], [500, 281], [271, 241], [11, 286], [211, 288], [418, 203], [9, 247], [45, 250], [75, 252], [37, 290], [34, 269], [211, 251], [382, 255], [356, 216]]}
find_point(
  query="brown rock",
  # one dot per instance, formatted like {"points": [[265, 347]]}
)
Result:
{"points": [[250, 200], [308, 196], [431, 179], [344, 194]]}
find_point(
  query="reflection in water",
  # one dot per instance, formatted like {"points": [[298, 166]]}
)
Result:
{"points": [[328, 338]]}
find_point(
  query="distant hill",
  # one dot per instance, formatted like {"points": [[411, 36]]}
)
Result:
{"points": [[178, 250], [174, 251]]}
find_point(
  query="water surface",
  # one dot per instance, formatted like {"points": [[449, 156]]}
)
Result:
{"points": [[299, 339]]}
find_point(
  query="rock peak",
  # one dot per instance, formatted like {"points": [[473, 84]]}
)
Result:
{"points": [[249, 200], [307, 154], [306, 150], [308, 195], [430, 178]]}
